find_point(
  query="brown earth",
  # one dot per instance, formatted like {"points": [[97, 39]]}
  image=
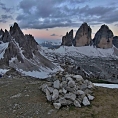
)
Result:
{"points": [[21, 98]]}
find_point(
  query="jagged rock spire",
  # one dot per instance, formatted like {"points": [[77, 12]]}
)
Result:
{"points": [[67, 39], [83, 35], [103, 38]]}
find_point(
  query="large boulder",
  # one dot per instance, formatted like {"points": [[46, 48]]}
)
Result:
{"points": [[83, 35], [103, 38], [57, 105], [85, 101]]}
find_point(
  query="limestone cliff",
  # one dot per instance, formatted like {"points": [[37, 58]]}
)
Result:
{"points": [[83, 35], [103, 38], [67, 39]]}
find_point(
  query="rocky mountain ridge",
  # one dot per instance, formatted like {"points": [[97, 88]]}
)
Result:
{"points": [[22, 52], [50, 44], [102, 39]]}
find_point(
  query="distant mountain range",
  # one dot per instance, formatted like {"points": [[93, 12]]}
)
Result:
{"points": [[50, 44]]}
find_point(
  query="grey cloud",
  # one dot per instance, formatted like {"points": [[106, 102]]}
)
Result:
{"points": [[53, 35], [4, 18], [3, 7], [98, 11], [62, 13], [2, 21]]}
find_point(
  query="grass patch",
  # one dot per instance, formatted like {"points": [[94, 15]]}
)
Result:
{"points": [[94, 80], [71, 108]]}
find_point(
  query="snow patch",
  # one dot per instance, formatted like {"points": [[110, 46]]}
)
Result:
{"points": [[3, 71], [106, 85], [42, 73], [82, 51], [3, 47]]}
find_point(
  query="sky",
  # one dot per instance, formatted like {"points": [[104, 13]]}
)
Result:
{"points": [[51, 19]]}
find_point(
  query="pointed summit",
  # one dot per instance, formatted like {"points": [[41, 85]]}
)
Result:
{"points": [[67, 39], [1, 32], [83, 35], [15, 30], [103, 38], [6, 36]]}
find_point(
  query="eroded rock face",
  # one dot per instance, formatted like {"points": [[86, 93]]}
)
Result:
{"points": [[83, 35], [1, 33], [103, 38], [115, 41], [27, 42], [67, 39], [5, 36]]}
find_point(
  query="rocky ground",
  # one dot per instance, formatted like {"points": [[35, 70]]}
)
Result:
{"points": [[20, 97], [100, 68]]}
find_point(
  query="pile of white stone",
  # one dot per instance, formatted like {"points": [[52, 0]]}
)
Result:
{"points": [[68, 90]]}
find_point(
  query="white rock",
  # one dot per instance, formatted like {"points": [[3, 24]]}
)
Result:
{"points": [[69, 75], [80, 92], [90, 97], [85, 101], [16, 96], [69, 79], [78, 77], [64, 91], [60, 91], [70, 96], [86, 81], [64, 84], [56, 84], [71, 84], [50, 89], [55, 94], [57, 105], [48, 95], [77, 104], [90, 85], [63, 101], [44, 86]]}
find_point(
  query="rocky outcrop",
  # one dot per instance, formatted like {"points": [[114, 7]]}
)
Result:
{"points": [[115, 41], [83, 35], [103, 38], [68, 90], [5, 36], [68, 39], [1, 33]]}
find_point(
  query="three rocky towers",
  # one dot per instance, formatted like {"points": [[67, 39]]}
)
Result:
{"points": [[104, 37]]}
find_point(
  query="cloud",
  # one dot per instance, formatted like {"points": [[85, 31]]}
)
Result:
{"points": [[4, 18], [62, 13], [3, 7], [53, 35]]}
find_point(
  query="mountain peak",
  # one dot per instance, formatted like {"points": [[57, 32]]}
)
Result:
{"points": [[83, 35], [16, 25], [67, 39], [104, 27], [103, 38]]}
